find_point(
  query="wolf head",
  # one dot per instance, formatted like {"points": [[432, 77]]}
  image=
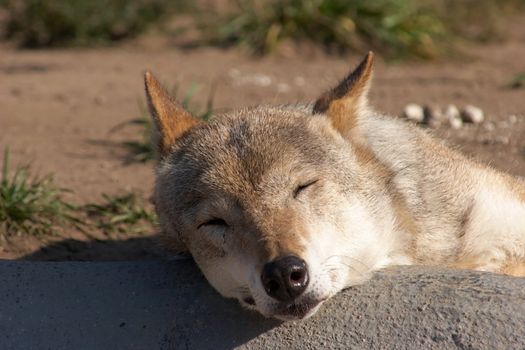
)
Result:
{"points": [[281, 207]]}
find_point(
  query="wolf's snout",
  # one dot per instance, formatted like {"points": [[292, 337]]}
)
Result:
{"points": [[285, 278]]}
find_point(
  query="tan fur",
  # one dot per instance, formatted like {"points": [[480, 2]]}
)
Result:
{"points": [[517, 269], [342, 187], [512, 268], [283, 236], [346, 93], [170, 118], [343, 103], [468, 263], [517, 186]]}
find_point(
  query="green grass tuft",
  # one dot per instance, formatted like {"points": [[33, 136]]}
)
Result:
{"points": [[517, 81], [124, 213], [423, 28], [395, 26], [31, 205], [38, 23], [141, 150]]}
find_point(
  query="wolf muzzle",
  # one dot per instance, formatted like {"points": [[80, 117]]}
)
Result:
{"points": [[285, 278]]}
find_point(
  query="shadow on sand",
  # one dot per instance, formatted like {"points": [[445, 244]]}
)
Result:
{"points": [[142, 248]]}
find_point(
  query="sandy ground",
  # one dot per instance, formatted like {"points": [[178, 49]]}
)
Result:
{"points": [[57, 110]]}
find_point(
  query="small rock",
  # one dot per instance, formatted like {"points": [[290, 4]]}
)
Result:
{"points": [[513, 119], [258, 79], [453, 116], [455, 122], [283, 87], [452, 112], [261, 79], [433, 115], [472, 114], [433, 111], [414, 112]]}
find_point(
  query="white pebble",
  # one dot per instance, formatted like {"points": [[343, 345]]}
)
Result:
{"points": [[283, 87], [261, 79], [258, 79], [513, 119], [453, 116], [472, 114], [433, 112], [455, 122], [414, 112], [433, 115], [451, 112]]}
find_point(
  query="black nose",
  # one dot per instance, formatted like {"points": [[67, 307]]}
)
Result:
{"points": [[285, 278]]}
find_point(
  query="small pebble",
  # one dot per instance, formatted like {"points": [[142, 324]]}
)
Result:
{"points": [[452, 112], [455, 122], [414, 112], [472, 114], [433, 115], [513, 119], [453, 116], [283, 87], [260, 79], [433, 111]]}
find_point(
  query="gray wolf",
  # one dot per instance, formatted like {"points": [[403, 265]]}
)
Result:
{"points": [[282, 207]]}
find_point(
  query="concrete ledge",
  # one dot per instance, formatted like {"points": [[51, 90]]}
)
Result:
{"points": [[168, 305]]}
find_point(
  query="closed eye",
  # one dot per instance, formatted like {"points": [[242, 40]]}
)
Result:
{"points": [[303, 187], [214, 222]]}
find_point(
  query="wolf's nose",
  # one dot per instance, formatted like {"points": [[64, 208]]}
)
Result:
{"points": [[285, 278]]}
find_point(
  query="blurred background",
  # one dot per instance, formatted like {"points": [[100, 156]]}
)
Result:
{"points": [[397, 28], [77, 167]]}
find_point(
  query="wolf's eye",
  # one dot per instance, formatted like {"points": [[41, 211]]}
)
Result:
{"points": [[303, 187], [214, 222]]}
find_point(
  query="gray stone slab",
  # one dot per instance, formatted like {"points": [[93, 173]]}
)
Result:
{"points": [[169, 305]]}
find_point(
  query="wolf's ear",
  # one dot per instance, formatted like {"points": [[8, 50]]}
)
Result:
{"points": [[343, 103], [171, 119]]}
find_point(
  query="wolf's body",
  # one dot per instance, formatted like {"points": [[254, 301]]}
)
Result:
{"points": [[457, 212], [282, 207]]}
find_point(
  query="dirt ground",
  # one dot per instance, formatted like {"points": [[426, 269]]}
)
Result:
{"points": [[58, 107]]}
